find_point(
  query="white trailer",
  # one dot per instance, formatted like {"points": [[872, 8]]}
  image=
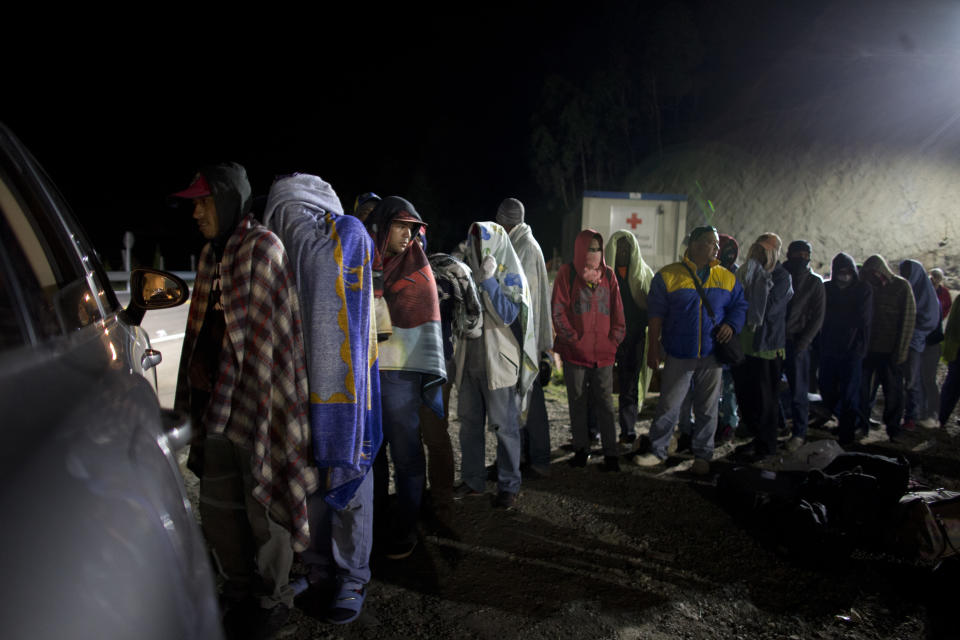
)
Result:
{"points": [[658, 220]]}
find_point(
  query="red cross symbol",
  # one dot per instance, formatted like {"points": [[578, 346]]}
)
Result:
{"points": [[633, 221]]}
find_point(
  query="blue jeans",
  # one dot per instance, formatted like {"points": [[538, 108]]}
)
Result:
{"points": [[476, 406], [797, 366], [675, 380], [400, 403], [340, 539], [913, 386], [537, 428]]}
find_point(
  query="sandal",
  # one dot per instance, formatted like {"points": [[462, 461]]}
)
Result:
{"points": [[347, 605]]}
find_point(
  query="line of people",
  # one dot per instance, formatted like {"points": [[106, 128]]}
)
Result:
{"points": [[321, 349]]}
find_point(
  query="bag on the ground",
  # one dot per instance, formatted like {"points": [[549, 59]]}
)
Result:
{"points": [[929, 526]]}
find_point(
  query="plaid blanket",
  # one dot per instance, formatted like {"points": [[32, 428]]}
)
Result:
{"points": [[259, 399]]}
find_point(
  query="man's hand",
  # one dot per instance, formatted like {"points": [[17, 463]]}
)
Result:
{"points": [[723, 334], [488, 267], [653, 355]]}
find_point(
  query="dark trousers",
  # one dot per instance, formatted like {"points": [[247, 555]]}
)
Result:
{"points": [[840, 388], [629, 363], [879, 370], [756, 381], [950, 391], [435, 434], [797, 365]]}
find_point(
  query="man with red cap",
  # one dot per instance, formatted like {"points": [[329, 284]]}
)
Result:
{"points": [[243, 379]]}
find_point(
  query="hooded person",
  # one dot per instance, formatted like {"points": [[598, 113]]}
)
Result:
{"points": [[891, 332], [804, 318], [768, 289], [729, 252], [927, 321], [536, 427], [634, 276], [589, 322], [495, 370], [243, 380], [844, 338], [412, 370], [332, 255]]}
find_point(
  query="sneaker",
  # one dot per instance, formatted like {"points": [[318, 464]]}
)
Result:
{"points": [[628, 438], [929, 423], [909, 425], [647, 460], [579, 459], [400, 549], [610, 463], [505, 500], [700, 467], [465, 491], [794, 443]]}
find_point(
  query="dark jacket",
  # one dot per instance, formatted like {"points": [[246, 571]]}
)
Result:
{"points": [[848, 311], [806, 309]]}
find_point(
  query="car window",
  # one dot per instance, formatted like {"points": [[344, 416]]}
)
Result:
{"points": [[53, 285]]}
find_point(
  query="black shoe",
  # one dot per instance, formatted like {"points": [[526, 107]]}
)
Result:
{"points": [[628, 438], [492, 472], [579, 459], [269, 622], [610, 463], [684, 442], [505, 500], [315, 598]]}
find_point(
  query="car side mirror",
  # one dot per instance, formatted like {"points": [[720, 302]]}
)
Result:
{"points": [[153, 289]]}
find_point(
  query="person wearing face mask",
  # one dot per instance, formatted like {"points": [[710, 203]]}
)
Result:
{"points": [[589, 322], [844, 336], [804, 318]]}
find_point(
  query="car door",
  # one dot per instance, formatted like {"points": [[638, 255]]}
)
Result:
{"points": [[98, 535]]}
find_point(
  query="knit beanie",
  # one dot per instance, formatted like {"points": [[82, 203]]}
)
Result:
{"points": [[510, 212]]}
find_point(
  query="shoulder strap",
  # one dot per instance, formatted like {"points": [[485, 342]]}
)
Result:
{"points": [[703, 296]]}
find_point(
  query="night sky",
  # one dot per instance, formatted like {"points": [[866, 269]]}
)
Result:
{"points": [[437, 107]]}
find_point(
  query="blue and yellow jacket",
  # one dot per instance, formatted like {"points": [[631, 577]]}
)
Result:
{"points": [[687, 327]]}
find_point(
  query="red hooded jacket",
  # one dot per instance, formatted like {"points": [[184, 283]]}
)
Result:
{"points": [[588, 321]]}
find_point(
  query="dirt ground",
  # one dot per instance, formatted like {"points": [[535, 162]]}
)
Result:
{"points": [[647, 554]]}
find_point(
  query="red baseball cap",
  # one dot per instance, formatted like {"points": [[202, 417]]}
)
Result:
{"points": [[197, 189]]}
